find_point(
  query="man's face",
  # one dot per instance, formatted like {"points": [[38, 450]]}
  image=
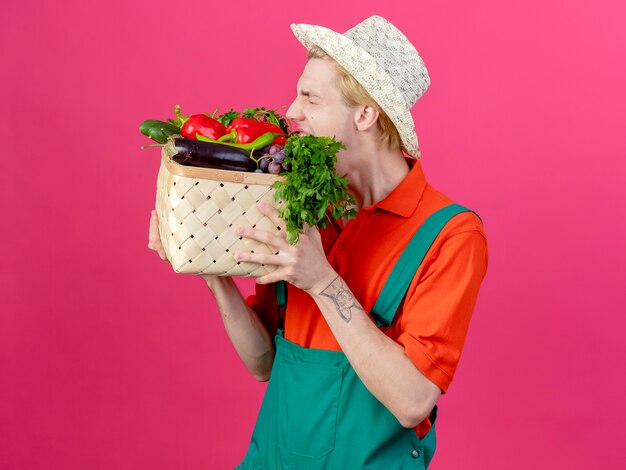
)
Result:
{"points": [[319, 108]]}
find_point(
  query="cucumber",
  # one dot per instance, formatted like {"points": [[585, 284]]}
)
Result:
{"points": [[158, 131]]}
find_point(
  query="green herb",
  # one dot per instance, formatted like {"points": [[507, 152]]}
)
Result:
{"points": [[250, 112], [228, 117], [312, 187]]}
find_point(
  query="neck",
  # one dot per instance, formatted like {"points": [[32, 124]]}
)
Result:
{"points": [[373, 173]]}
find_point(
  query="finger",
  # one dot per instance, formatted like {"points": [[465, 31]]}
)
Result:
{"points": [[260, 258], [274, 276], [271, 212], [310, 229], [153, 235], [154, 240], [264, 237]]}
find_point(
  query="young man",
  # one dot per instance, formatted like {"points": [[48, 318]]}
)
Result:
{"points": [[371, 326]]}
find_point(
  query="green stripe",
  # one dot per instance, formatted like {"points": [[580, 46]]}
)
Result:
{"points": [[403, 272]]}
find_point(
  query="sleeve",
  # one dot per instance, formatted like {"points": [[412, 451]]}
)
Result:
{"points": [[439, 304], [263, 302]]}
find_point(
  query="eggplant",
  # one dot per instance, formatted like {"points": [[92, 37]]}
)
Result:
{"points": [[209, 155]]}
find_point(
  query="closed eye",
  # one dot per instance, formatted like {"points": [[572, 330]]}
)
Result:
{"points": [[308, 94]]}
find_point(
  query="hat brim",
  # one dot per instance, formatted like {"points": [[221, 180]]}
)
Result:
{"points": [[364, 68]]}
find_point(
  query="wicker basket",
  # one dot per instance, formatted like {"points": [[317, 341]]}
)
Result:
{"points": [[199, 212]]}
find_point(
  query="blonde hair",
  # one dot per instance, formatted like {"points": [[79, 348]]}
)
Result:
{"points": [[354, 94]]}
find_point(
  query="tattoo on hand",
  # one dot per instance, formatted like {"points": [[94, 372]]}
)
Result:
{"points": [[342, 297]]}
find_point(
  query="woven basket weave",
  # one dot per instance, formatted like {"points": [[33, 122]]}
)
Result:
{"points": [[199, 212]]}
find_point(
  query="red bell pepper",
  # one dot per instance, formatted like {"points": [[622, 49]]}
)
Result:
{"points": [[203, 125], [280, 140], [246, 130]]}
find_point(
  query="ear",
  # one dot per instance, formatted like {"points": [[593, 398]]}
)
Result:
{"points": [[365, 117]]}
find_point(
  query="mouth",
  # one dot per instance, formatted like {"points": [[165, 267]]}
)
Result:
{"points": [[302, 132]]}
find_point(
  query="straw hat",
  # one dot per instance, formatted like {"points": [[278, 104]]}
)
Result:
{"points": [[383, 61]]}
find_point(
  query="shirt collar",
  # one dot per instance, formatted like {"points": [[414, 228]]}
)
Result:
{"points": [[404, 198]]}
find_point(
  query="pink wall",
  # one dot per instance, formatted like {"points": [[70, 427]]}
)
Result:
{"points": [[108, 360]]}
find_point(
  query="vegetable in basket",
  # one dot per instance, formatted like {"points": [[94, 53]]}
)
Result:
{"points": [[158, 131], [203, 125], [209, 154], [312, 188], [268, 115], [261, 141], [245, 130]]}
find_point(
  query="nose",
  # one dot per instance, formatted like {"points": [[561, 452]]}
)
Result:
{"points": [[294, 113]]}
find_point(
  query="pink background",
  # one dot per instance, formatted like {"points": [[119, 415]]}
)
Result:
{"points": [[108, 360]]}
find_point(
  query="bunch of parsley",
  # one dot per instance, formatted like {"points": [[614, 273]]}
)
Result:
{"points": [[312, 187]]}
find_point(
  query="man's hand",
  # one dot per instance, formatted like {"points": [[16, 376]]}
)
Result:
{"points": [[304, 265], [154, 239], [247, 333]]}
